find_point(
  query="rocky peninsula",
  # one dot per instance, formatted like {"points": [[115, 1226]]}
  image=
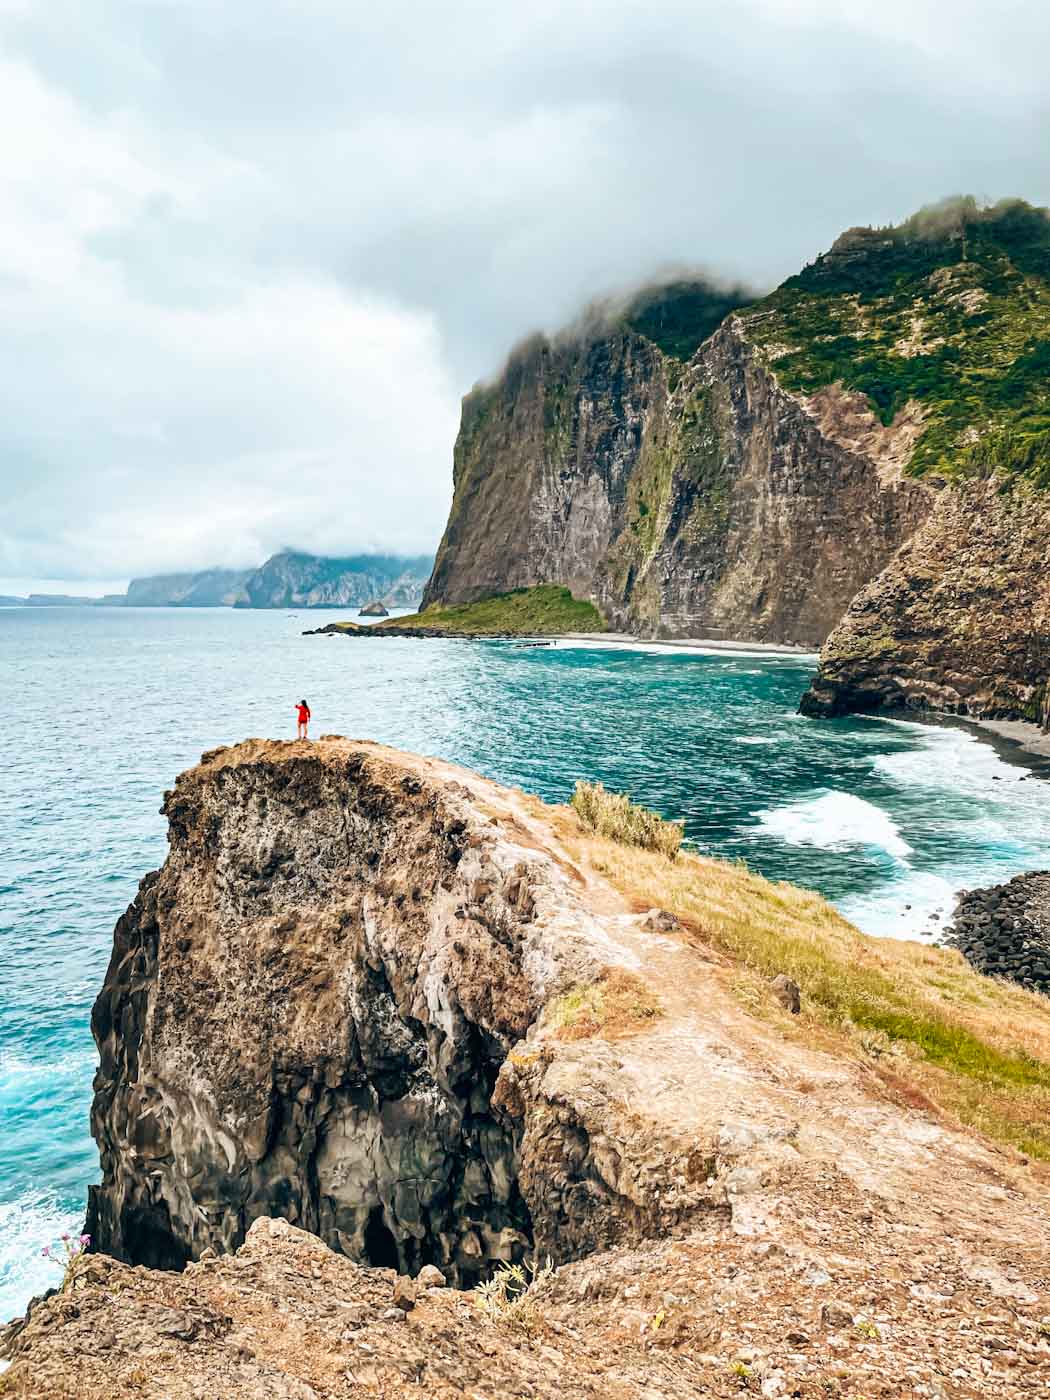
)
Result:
{"points": [[547, 610], [379, 1028]]}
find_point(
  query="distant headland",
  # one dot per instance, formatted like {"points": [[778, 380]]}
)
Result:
{"points": [[287, 579]]}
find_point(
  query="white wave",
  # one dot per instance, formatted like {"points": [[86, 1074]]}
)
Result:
{"points": [[26, 1226], [904, 907], [755, 739], [948, 755], [698, 648], [15, 1068], [835, 821]]}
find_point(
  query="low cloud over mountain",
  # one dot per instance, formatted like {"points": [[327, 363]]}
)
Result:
{"points": [[252, 256]]}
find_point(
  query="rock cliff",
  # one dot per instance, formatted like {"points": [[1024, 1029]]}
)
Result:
{"points": [[376, 1012], [308, 1012], [686, 500], [208, 588], [959, 621], [292, 579], [755, 480]]}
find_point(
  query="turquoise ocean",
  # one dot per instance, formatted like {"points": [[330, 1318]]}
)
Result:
{"points": [[102, 708]]}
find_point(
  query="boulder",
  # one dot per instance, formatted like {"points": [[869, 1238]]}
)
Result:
{"points": [[787, 993]]}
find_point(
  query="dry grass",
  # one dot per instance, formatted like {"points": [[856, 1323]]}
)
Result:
{"points": [[618, 1004], [614, 815], [928, 1025], [513, 1296]]}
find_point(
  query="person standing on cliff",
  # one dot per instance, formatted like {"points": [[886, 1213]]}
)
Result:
{"points": [[303, 710]]}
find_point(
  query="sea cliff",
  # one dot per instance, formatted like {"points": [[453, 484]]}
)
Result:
{"points": [[373, 948], [860, 458], [380, 1025], [959, 621], [686, 500], [293, 579]]}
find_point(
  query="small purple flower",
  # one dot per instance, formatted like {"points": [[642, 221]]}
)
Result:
{"points": [[46, 1251], [85, 1240], [65, 1237]]}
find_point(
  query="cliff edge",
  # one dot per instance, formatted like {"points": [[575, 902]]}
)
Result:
{"points": [[376, 1014]]}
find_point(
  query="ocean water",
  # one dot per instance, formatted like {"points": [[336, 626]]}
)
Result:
{"points": [[103, 708]]}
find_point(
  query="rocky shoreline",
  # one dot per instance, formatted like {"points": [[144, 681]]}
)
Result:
{"points": [[353, 629], [1004, 930]]}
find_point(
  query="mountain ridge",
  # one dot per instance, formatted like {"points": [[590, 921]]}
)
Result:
{"points": [[290, 578], [760, 486]]}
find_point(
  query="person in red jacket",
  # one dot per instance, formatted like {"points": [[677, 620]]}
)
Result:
{"points": [[304, 719]]}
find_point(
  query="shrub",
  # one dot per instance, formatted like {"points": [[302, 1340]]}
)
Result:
{"points": [[614, 815], [66, 1255], [512, 1294]]}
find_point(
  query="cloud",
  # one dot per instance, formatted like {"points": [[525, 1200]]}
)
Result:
{"points": [[253, 254]]}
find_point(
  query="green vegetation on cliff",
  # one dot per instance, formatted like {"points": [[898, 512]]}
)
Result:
{"points": [[950, 310], [541, 611], [679, 316]]}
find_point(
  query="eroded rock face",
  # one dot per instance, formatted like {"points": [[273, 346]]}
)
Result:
{"points": [[696, 500], [307, 1010], [305, 1014], [958, 622]]}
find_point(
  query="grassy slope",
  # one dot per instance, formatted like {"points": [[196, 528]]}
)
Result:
{"points": [[951, 309], [928, 1028], [544, 610]]}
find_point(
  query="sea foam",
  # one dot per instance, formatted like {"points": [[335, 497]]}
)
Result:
{"points": [[835, 821], [27, 1224]]}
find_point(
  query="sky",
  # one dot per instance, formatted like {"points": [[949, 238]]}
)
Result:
{"points": [[252, 254]]}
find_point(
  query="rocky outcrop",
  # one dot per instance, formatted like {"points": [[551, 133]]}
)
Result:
{"points": [[1004, 930], [351, 1001], [292, 579], [696, 500], [310, 1010], [789, 1313], [958, 622], [374, 609]]}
